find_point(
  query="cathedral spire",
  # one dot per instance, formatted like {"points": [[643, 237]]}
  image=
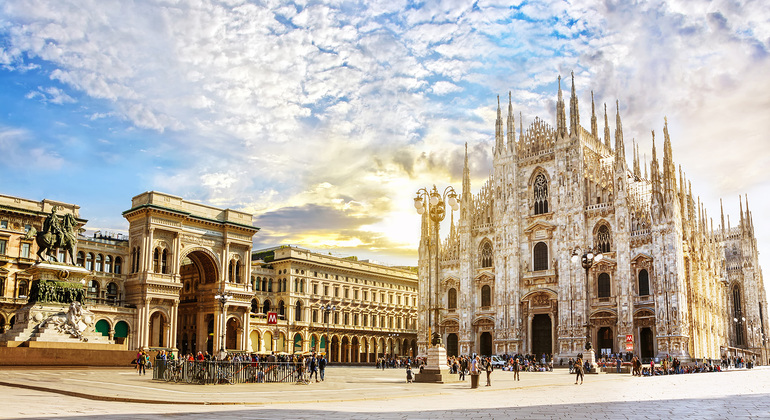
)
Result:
{"points": [[561, 119], [722, 210], [606, 130], [511, 126], [655, 173], [669, 179], [498, 129], [620, 148], [594, 128], [635, 147], [740, 199], [574, 114]]}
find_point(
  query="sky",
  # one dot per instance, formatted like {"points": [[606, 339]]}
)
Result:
{"points": [[324, 118]]}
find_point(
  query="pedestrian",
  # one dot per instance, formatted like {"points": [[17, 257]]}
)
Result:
{"points": [[322, 366], [618, 363], [409, 376], [488, 368], [313, 365], [579, 370], [516, 369]]}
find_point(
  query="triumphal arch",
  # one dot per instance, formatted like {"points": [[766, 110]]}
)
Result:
{"points": [[182, 256]]}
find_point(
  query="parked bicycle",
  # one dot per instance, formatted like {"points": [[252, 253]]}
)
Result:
{"points": [[173, 372]]}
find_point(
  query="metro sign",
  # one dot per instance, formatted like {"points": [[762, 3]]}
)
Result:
{"points": [[629, 338], [272, 317]]}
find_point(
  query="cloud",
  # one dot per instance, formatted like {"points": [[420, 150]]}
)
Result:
{"points": [[278, 107]]}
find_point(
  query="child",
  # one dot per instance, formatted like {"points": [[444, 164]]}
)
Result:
{"points": [[409, 374]]}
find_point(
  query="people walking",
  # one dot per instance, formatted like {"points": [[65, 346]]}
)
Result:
{"points": [[322, 366], [516, 369], [488, 368], [579, 370]]}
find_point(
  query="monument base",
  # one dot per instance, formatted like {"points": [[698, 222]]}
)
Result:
{"points": [[590, 357], [436, 369]]}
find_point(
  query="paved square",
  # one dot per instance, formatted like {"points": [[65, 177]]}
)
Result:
{"points": [[367, 393]]}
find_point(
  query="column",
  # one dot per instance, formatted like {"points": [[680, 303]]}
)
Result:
{"points": [[147, 258], [174, 324], [246, 331]]}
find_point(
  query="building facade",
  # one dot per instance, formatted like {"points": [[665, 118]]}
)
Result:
{"points": [[669, 278], [374, 307], [158, 287]]}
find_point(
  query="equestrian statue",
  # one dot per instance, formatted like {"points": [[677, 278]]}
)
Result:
{"points": [[56, 235]]}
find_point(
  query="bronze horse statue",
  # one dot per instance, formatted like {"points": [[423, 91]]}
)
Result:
{"points": [[55, 236]]}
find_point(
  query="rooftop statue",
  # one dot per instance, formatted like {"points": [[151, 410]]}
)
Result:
{"points": [[56, 235]]}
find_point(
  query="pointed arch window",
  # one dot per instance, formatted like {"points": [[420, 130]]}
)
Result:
{"points": [[452, 299], [540, 191], [644, 283], [298, 311], [486, 254], [738, 316], [164, 261], [156, 261], [486, 296], [603, 286], [540, 257], [266, 307], [603, 239]]}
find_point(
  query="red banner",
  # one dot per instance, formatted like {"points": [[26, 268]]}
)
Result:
{"points": [[272, 317]]}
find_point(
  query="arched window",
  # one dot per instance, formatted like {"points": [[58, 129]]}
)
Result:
{"points": [[254, 284], [486, 254], [486, 296], [603, 286], [270, 286], [89, 261], [22, 291], [118, 265], [452, 299], [81, 259], [254, 306], [266, 307], [540, 257], [603, 239], [540, 190], [298, 311], [93, 289], [108, 264], [281, 308], [644, 283], [98, 264], [112, 292], [156, 261], [164, 262]]}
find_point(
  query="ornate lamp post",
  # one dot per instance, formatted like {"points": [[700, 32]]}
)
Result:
{"points": [[435, 204], [328, 309], [587, 260], [222, 298]]}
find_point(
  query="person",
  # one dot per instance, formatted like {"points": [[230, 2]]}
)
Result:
{"points": [[488, 368], [463, 367], [313, 367], [409, 375], [618, 362], [579, 370], [516, 369], [322, 366]]}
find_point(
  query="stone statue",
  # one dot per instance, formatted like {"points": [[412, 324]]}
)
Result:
{"points": [[55, 235], [74, 322]]}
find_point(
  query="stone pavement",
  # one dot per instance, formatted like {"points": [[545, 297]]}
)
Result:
{"points": [[366, 393]]}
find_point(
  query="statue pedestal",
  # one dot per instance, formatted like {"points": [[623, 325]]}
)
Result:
{"points": [[436, 369], [42, 320], [590, 357]]}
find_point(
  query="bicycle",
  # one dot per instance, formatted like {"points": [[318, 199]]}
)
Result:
{"points": [[224, 374], [173, 371], [196, 373]]}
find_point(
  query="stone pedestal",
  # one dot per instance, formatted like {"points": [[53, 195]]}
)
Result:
{"points": [[590, 357], [436, 369]]}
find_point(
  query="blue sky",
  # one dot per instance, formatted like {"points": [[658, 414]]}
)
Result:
{"points": [[324, 118]]}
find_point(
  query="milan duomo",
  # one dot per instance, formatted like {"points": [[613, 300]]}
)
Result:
{"points": [[670, 282]]}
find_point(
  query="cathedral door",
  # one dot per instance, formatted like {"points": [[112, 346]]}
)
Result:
{"points": [[485, 344], [542, 341], [605, 341], [646, 345], [451, 345]]}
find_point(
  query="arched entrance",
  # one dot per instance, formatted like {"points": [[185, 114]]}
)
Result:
{"points": [[542, 338], [605, 341], [254, 338], [485, 344], [297, 343], [102, 326], [158, 324], [268, 340], [197, 269], [121, 332], [646, 345], [451, 345], [232, 334], [334, 350]]}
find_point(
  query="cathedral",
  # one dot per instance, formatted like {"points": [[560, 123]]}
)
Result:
{"points": [[508, 277]]}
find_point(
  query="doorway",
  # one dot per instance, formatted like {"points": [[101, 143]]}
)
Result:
{"points": [[485, 344], [451, 344], [605, 341], [542, 341], [646, 344]]}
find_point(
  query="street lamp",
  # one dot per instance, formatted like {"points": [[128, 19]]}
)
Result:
{"points": [[390, 336], [587, 260], [222, 298], [435, 204], [328, 309]]}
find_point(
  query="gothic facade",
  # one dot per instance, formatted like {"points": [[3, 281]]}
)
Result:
{"points": [[670, 281]]}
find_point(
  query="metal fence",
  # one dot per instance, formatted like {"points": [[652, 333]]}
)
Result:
{"points": [[219, 372]]}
